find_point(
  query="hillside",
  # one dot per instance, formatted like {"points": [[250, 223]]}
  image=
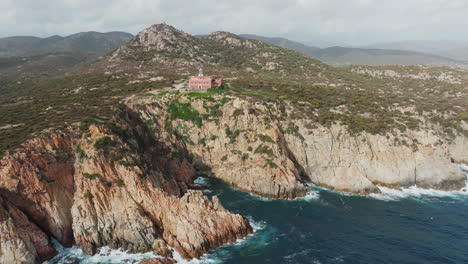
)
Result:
{"points": [[85, 42], [25, 59], [364, 56]]}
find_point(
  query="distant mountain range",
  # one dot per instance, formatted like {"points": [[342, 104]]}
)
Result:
{"points": [[456, 50], [25, 58], [87, 46], [365, 56], [85, 42]]}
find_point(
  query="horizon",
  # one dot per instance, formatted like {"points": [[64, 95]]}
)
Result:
{"points": [[350, 23]]}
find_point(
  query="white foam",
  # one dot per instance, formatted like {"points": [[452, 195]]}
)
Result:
{"points": [[202, 182], [105, 255], [310, 195], [388, 194], [464, 168]]}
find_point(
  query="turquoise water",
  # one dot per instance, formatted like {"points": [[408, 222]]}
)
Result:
{"points": [[408, 226]]}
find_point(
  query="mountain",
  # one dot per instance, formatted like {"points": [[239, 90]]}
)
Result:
{"points": [[167, 48], [362, 56], [456, 50], [85, 42], [286, 43], [29, 58]]}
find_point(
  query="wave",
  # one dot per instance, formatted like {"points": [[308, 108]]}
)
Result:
{"points": [[311, 195], [107, 255], [388, 194], [202, 182]]}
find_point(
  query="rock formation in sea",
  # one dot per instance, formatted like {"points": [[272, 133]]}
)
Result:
{"points": [[119, 188]]}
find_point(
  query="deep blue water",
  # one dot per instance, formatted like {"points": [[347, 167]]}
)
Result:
{"points": [[337, 228], [411, 226]]}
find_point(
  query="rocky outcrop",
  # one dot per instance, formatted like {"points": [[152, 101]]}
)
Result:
{"points": [[120, 205], [271, 150], [358, 164], [21, 241], [116, 187], [38, 179]]}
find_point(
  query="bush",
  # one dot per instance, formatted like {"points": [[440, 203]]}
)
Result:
{"points": [[185, 112], [262, 149], [266, 138], [119, 183], [104, 144], [91, 176]]}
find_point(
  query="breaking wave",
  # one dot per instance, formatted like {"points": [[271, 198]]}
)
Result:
{"points": [[107, 255], [413, 192]]}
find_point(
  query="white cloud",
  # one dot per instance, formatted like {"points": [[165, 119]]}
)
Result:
{"points": [[351, 21]]}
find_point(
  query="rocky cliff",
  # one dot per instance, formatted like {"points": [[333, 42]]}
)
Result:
{"points": [[107, 187], [264, 148]]}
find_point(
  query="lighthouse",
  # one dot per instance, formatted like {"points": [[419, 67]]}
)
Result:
{"points": [[202, 82]]}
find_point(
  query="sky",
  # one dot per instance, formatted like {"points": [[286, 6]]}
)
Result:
{"points": [[345, 22]]}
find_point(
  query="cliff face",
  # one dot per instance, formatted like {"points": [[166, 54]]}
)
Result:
{"points": [[264, 148], [38, 179], [21, 241], [108, 187]]}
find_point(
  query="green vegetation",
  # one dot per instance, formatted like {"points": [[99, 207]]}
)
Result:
{"points": [[185, 112], [104, 144], [91, 176], [33, 106], [232, 135], [119, 183], [271, 164], [262, 149], [266, 138]]}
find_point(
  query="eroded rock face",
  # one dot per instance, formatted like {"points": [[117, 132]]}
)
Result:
{"points": [[38, 179], [123, 207], [21, 241], [264, 148], [122, 189]]}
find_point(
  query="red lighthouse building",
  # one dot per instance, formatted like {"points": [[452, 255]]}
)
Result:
{"points": [[203, 83]]}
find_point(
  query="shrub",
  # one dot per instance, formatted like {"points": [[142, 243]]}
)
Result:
{"points": [[262, 149], [104, 144], [185, 112], [91, 176], [271, 164], [232, 135], [119, 183], [265, 138]]}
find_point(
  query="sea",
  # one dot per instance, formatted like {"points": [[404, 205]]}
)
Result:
{"points": [[411, 226]]}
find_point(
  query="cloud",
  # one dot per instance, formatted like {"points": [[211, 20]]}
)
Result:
{"points": [[350, 21]]}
